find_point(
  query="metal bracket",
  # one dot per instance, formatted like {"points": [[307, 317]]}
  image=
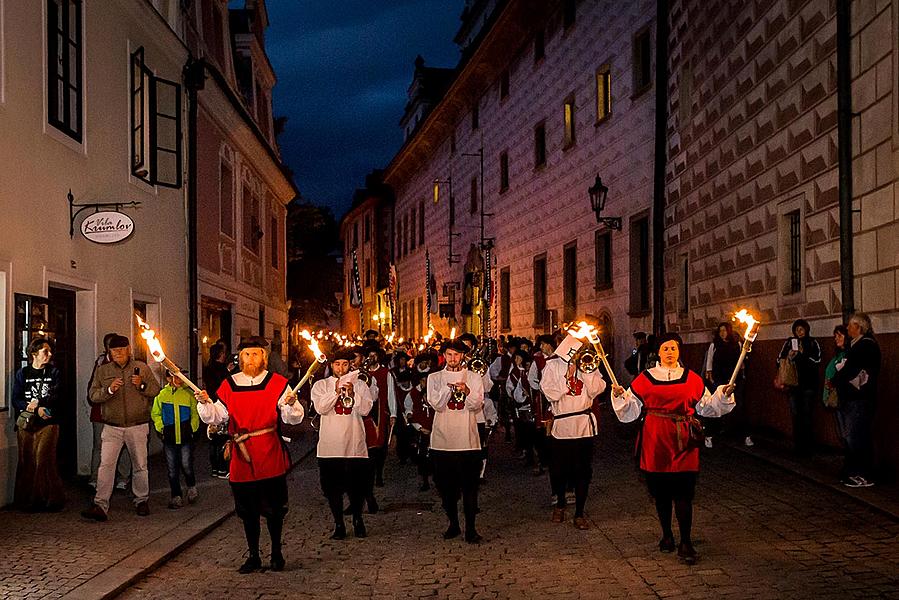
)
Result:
{"points": [[610, 222], [73, 214]]}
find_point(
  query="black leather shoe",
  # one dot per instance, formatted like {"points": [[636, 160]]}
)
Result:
{"points": [[277, 561], [253, 563], [95, 513], [452, 531], [339, 532], [687, 553], [359, 528], [666, 544], [472, 537], [424, 487], [372, 506]]}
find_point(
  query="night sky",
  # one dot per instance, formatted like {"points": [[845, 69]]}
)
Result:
{"points": [[343, 69]]}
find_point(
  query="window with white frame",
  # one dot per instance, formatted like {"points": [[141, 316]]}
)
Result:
{"points": [[65, 71], [226, 193], [155, 125]]}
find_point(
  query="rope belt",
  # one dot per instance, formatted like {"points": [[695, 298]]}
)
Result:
{"points": [[681, 424], [240, 438]]}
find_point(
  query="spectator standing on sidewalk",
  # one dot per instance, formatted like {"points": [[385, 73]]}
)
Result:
{"points": [[123, 466], [175, 419], [214, 373], [254, 402], [804, 352], [124, 388], [856, 384], [720, 360], [36, 395], [830, 396]]}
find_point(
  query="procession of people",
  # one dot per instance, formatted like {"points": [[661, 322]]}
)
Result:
{"points": [[434, 402]]}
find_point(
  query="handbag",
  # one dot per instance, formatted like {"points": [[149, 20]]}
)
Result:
{"points": [[27, 421], [831, 398], [787, 373]]}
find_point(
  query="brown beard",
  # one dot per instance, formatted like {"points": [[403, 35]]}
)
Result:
{"points": [[252, 371]]}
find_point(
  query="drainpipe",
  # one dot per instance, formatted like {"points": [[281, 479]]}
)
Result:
{"points": [[844, 150], [658, 191], [194, 78]]}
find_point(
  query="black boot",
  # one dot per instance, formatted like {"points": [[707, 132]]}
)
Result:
{"points": [[687, 553], [253, 563], [339, 532], [452, 531], [359, 527], [372, 505], [277, 560]]}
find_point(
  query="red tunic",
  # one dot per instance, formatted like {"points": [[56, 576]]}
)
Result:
{"points": [[378, 420], [422, 413], [660, 450], [251, 408]]}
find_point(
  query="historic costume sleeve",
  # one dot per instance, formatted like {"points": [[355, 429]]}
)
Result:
{"points": [[438, 392], [534, 376], [510, 389], [627, 406], [715, 405], [213, 413], [594, 383], [518, 394], [391, 395], [487, 382], [324, 396], [407, 404], [475, 399], [292, 414], [363, 400], [553, 383], [490, 415], [495, 367], [709, 358]]}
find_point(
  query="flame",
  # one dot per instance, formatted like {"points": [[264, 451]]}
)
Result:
{"points": [[320, 335], [453, 333], [149, 336], [319, 355], [584, 330], [306, 335], [744, 317]]}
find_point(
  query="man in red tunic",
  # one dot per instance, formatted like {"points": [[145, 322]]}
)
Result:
{"points": [[254, 402]]}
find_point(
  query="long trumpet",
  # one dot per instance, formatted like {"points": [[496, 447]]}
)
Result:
{"points": [[368, 365], [345, 399]]}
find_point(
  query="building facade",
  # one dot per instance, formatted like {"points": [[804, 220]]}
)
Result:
{"points": [[76, 80], [242, 188], [540, 106], [753, 182]]}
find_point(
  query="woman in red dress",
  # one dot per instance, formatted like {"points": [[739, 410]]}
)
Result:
{"points": [[670, 396]]}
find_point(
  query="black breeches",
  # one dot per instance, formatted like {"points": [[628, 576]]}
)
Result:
{"points": [[422, 460], [339, 476], [677, 489], [264, 498], [572, 464], [456, 473]]}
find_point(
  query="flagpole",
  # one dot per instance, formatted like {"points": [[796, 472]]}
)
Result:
{"points": [[428, 283]]}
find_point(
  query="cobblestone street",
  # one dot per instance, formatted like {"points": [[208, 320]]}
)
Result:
{"points": [[762, 532]]}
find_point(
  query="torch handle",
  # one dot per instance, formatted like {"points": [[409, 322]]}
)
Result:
{"points": [[173, 368], [309, 372], [746, 346], [597, 345]]}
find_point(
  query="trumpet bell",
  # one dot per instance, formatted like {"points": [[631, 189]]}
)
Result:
{"points": [[587, 362]]}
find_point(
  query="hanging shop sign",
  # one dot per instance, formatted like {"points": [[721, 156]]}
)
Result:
{"points": [[107, 227]]}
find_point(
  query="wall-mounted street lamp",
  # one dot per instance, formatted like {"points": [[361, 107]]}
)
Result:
{"points": [[598, 194]]}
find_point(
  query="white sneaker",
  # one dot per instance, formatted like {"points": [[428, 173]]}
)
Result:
{"points": [[708, 441], [748, 442], [176, 503], [859, 482], [122, 485], [192, 495]]}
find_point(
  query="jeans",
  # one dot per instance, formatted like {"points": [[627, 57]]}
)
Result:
{"points": [[854, 419], [112, 439], [801, 404], [179, 458]]}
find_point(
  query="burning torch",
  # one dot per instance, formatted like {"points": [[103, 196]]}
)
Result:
{"points": [[320, 359], [159, 356], [588, 332], [744, 317]]}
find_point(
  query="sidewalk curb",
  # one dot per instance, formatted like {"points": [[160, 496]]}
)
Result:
{"points": [[814, 477], [115, 579]]}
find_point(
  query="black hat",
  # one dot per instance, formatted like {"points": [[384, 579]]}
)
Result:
{"points": [[404, 376], [457, 345], [119, 341], [401, 354], [344, 354], [671, 335], [639, 335], [469, 338], [256, 341]]}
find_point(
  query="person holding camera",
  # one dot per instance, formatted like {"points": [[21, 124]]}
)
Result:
{"points": [[35, 395], [124, 389], [803, 351]]}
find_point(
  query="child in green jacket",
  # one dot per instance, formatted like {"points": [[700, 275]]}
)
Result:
{"points": [[175, 417]]}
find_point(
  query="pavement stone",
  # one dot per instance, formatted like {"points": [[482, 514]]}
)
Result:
{"points": [[762, 532]]}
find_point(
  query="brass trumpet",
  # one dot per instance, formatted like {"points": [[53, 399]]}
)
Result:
{"points": [[458, 395], [478, 365], [345, 399], [586, 359], [368, 365]]}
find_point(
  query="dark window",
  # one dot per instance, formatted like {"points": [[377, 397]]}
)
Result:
{"points": [[569, 123], [412, 237], [684, 307], [399, 238], [64, 68], [569, 13], [366, 228], [539, 290], [274, 235], [539, 45], [505, 308], [795, 252], [421, 223], [603, 260], [355, 235], [473, 205], [504, 171], [475, 116], [368, 272], [226, 198], [252, 232], [405, 234], [642, 61], [639, 262], [540, 145], [569, 280], [603, 94], [504, 84], [155, 126]]}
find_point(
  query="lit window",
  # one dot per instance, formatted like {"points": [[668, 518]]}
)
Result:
{"points": [[569, 124], [603, 94]]}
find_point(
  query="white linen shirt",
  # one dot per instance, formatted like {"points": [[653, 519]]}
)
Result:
{"points": [[555, 387], [341, 436], [455, 429]]}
